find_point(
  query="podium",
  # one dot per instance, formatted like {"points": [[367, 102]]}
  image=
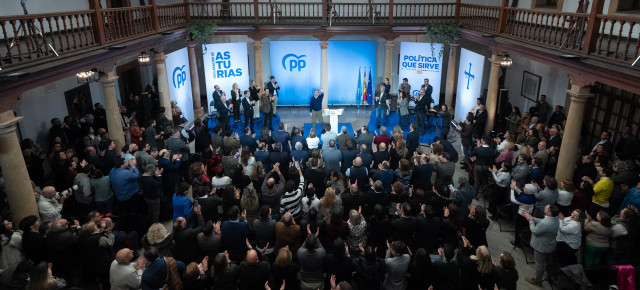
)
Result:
{"points": [[333, 117]]}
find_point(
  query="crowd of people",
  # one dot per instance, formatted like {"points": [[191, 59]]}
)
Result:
{"points": [[372, 210]]}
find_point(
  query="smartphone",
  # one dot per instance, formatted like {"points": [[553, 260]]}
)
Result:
{"points": [[237, 155], [297, 164], [451, 187]]}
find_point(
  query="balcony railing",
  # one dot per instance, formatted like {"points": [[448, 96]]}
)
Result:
{"points": [[27, 38]]}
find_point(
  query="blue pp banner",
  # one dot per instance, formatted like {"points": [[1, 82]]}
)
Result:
{"points": [[351, 65], [179, 77], [469, 81], [296, 67], [224, 65], [419, 62]]}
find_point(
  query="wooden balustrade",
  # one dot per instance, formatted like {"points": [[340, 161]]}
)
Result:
{"points": [[30, 37], [618, 37], [480, 17], [555, 29], [423, 13], [122, 23], [171, 16]]}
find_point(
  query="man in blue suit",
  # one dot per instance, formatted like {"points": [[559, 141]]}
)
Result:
{"points": [[262, 155], [282, 137], [248, 139]]}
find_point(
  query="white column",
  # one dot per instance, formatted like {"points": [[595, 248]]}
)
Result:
{"points": [[163, 84]]}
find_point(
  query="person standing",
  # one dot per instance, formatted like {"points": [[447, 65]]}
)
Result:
{"points": [[223, 112], [380, 103], [421, 102], [266, 100], [428, 90], [543, 240], [247, 105], [446, 119], [236, 94], [543, 108], [403, 108], [315, 108], [273, 91], [405, 87], [255, 96]]}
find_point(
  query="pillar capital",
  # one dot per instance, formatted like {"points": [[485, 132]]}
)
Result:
{"points": [[495, 60], [108, 79], [159, 57], [581, 80], [324, 44], [257, 44], [8, 121], [191, 44], [389, 44]]}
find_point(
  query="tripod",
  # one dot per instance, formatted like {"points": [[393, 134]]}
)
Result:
{"points": [[579, 23], [32, 30]]}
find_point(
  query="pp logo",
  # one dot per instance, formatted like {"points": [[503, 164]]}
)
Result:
{"points": [[415, 92], [179, 77], [294, 62]]}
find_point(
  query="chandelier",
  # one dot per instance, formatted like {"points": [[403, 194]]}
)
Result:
{"points": [[144, 59], [506, 61], [87, 76]]}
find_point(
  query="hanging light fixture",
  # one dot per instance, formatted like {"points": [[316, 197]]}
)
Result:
{"points": [[506, 61], [87, 76], [144, 59]]}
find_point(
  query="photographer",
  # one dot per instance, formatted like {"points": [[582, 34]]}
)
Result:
{"points": [[50, 204]]}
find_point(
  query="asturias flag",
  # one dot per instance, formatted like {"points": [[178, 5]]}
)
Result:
{"points": [[359, 92], [369, 89], [364, 93]]}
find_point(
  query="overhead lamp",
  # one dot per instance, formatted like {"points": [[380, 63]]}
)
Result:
{"points": [[86, 77], [506, 61], [144, 59]]}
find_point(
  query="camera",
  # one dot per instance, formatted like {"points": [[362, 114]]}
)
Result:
{"points": [[69, 190]]}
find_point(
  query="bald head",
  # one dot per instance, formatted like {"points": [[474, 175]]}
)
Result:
{"points": [[357, 161], [48, 191], [124, 256], [179, 223], [271, 182], [252, 257]]}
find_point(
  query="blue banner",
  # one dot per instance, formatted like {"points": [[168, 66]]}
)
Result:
{"points": [[296, 67], [348, 61], [179, 78]]}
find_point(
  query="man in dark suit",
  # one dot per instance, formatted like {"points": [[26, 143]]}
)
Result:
{"points": [[332, 157], [554, 139], [278, 156], [422, 171], [273, 90], [366, 157], [413, 139], [249, 140], [428, 90], [421, 102], [282, 137], [297, 137], [265, 106], [479, 122], [223, 112], [216, 96], [216, 139], [315, 175], [262, 155], [247, 106], [364, 138], [381, 155], [380, 103]]}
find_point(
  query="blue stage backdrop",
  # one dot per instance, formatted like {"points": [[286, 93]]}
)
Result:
{"points": [[296, 67], [417, 62], [179, 79], [469, 81], [348, 64], [224, 65]]}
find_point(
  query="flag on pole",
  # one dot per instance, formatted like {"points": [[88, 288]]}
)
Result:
{"points": [[359, 92], [369, 89], [364, 88]]}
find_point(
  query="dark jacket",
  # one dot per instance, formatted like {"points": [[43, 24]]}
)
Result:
{"points": [[253, 276], [413, 141], [185, 238]]}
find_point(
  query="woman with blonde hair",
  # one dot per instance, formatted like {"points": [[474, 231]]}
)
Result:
{"points": [[249, 202], [158, 237], [403, 173], [398, 134], [312, 140], [254, 91], [475, 269], [397, 152], [357, 230], [284, 269], [247, 160], [330, 202], [565, 195]]}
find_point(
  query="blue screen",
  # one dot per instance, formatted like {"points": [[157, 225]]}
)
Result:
{"points": [[296, 67], [348, 61]]}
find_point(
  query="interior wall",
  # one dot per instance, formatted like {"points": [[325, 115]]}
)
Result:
{"points": [[38, 106], [554, 83]]}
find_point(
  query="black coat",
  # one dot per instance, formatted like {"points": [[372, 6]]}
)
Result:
{"points": [[62, 249], [186, 240]]}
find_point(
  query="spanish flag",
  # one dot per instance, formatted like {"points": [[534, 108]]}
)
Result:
{"points": [[364, 92]]}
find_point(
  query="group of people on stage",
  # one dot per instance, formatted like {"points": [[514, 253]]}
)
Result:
{"points": [[251, 102]]}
